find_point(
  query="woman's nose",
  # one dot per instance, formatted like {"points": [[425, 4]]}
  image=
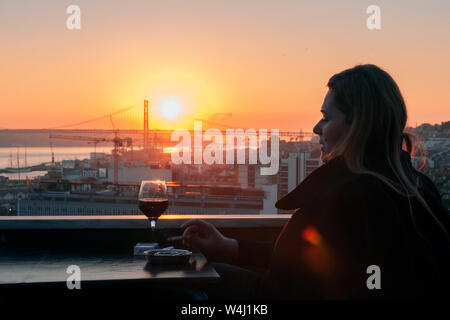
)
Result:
{"points": [[317, 129]]}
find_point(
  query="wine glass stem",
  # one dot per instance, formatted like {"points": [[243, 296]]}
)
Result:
{"points": [[153, 225]]}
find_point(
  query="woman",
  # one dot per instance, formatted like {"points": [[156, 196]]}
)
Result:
{"points": [[367, 224]]}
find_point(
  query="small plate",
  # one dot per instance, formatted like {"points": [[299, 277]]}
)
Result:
{"points": [[168, 256]]}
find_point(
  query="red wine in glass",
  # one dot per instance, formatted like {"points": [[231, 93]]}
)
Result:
{"points": [[153, 207], [153, 200]]}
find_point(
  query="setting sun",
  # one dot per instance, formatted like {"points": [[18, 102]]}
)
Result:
{"points": [[170, 108]]}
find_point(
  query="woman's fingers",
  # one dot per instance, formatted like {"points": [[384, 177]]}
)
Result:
{"points": [[199, 234], [196, 237], [198, 222], [188, 223], [189, 231], [191, 236]]}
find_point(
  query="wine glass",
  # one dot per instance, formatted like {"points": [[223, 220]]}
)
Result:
{"points": [[153, 200]]}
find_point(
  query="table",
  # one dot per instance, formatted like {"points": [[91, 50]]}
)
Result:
{"points": [[22, 266]]}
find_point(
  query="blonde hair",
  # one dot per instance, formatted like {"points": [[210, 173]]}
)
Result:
{"points": [[375, 111]]}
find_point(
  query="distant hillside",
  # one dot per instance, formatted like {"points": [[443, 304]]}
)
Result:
{"points": [[426, 130]]}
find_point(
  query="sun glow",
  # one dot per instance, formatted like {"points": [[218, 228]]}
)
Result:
{"points": [[177, 95], [170, 108]]}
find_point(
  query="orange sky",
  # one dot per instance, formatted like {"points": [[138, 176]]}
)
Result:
{"points": [[253, 64]]}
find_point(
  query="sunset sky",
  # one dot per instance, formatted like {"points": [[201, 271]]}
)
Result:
{"points": [[250, 64]]}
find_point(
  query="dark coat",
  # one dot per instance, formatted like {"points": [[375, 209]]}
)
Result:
{"points": [[345, 223]]}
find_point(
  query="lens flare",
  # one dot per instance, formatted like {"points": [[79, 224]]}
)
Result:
{"points": [[311, 235]]}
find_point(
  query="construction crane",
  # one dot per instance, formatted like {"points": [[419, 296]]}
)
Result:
{"points": [[118, 143]]}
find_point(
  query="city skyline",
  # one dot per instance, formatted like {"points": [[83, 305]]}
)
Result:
{"points": [[263, 66]]}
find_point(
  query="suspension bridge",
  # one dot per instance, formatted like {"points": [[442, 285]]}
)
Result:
{"points": [[131, 125]]}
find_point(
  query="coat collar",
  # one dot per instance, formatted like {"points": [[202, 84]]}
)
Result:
{"points": [[323, 180], [314, 184]]}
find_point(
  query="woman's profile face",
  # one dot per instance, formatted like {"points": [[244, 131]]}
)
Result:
{"points": [[332, 127]]}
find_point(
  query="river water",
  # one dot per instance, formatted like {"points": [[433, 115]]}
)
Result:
{"points": [[38, 155]]}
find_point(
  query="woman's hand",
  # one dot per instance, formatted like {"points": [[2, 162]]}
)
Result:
{"points": [[205, 237]]}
